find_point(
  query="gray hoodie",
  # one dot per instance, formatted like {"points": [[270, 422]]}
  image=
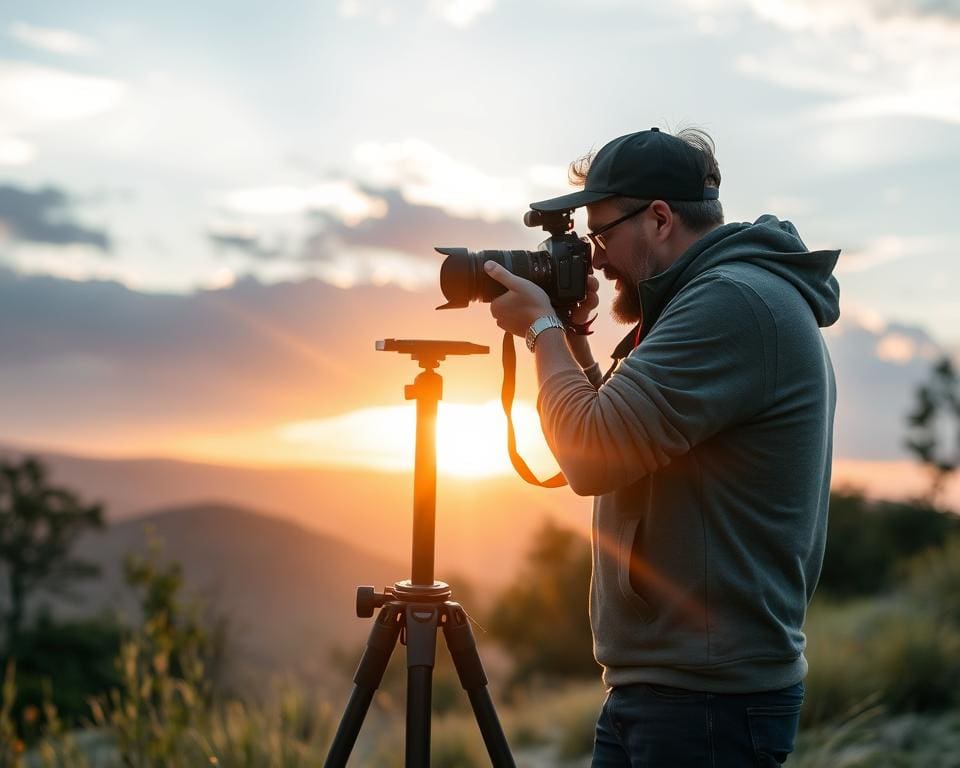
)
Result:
{"points": [[708, 449]]}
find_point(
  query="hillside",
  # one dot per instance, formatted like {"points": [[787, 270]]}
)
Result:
{"points": [[286, 592]]}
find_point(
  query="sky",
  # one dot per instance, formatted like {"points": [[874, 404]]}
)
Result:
{"points": [[209, 212]]}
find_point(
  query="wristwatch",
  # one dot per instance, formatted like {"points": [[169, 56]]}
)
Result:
{"points": [[538, 326]]}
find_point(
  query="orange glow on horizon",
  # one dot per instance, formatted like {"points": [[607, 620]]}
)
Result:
{"points": [[471, 439]]}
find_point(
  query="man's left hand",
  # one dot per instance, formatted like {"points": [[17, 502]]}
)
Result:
{"points": [[523, 302]]}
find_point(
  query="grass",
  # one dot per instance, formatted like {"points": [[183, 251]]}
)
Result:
{"points": [[871, 740], [883, 690]]}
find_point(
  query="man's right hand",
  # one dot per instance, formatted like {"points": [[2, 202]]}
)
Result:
{"points": [[584, 310]]}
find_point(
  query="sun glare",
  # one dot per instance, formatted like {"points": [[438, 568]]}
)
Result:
{"points": [[471, 439]]}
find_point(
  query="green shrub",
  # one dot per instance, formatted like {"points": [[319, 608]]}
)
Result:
{"points": [[77, 655], [841, 640], [918, 664], [933, 582], [542, 617], [902, 651], [867, 541]]}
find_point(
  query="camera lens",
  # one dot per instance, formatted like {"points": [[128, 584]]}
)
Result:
{"points": [[463, 279], [457, 279]]}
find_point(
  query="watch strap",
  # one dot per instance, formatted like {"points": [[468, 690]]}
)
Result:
{"points": [[539, 325]]}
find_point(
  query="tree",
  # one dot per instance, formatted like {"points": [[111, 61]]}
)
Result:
{"points": [[934, 425], [39, 524], [542, 617]]}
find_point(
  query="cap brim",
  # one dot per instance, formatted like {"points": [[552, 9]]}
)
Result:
{"points": [[573, 200]]}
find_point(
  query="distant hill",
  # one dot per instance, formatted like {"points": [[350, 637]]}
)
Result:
{"points": [[287, 592], [483, 525]]}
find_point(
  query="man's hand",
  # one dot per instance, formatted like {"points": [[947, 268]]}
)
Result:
{"points": [[590, 302], [523, 302]]}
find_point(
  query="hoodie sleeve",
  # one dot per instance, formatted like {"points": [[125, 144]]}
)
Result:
{"points": [[702, 367]]}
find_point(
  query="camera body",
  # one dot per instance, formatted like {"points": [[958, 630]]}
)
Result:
{"points": [[560, 266]]}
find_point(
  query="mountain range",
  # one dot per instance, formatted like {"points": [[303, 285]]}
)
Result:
{"points": [[279, 552], [286, 594]]}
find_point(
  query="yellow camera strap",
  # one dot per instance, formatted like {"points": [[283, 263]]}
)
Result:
{"points": [[506, 398]]}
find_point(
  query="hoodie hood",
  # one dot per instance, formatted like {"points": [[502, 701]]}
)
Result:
{"points": [[769, 243]]}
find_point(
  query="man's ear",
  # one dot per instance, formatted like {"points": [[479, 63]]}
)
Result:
{"points": [[663, 216]]}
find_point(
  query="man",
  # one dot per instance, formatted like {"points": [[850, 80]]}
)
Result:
{"points": [[707, 447]]}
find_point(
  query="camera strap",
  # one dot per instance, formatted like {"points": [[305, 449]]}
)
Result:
{"points": [[506, 398]]}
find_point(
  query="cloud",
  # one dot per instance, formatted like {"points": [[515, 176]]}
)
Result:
{"points": [[381, 225], [349, 268], [245, 238], [883, 250], [98, 366], [900, 349], [827, 14], [41, 217], [168, 122], [399, 247], [878, 366], [95, 364], [886, 249], [250, 245], [14, 151], [456, 13], [416, 229], [341, 247], [874, 58], [34, 97], [51, 40], [427, 176], [341, 198], [461, 13], [381, 11]]}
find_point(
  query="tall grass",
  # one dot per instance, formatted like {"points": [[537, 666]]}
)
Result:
{"points": [[883, 689], [901, 651]]}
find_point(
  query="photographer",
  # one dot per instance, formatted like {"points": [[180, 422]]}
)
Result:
{"points": [[707, 448]]}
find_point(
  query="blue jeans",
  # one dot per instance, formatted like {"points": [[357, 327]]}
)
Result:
{"points": [[656, 725]]}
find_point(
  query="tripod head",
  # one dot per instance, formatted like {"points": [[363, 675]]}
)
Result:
{"points": [[429, 352]]}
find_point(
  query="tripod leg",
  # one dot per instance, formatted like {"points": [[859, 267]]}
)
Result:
{"points": [[421, 628], [466, 658], [380, 645]]}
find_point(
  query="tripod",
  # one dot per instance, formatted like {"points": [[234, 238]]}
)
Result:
{"points": [[414, 610]]}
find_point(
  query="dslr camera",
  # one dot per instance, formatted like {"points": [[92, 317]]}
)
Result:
{"points": [[560, 266]]}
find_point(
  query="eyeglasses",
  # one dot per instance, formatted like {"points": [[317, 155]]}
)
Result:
{"points": [[597, 237]]}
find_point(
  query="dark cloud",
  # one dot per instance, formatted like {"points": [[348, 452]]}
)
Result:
{"points": [[43, 217], [947, 9], [875, 395], [246, 244], [97, 358], [417, 229]]}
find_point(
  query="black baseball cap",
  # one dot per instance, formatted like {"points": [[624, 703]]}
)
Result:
{"points": [[647, 165]]}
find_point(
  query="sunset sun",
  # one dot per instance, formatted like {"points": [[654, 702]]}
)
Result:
{"points": [[471, 438]]}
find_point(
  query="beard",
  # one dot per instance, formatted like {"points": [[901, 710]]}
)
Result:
{"points": [[626, 308]]}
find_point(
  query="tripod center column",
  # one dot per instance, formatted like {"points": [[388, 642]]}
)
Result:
{"points": [[427, 390]]}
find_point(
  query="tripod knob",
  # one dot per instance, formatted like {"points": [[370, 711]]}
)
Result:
{"points": [[368, 600]]}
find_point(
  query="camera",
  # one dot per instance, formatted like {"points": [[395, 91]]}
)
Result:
{"points": [[560, 266]]}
